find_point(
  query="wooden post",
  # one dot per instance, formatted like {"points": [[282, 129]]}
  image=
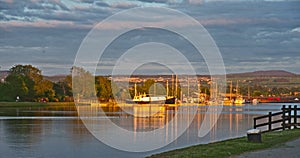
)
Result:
{"points": [[290, 116], [295, 116], [283, 117], [270, 121], [254, 121]]}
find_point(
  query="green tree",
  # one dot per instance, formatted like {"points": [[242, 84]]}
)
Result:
{"points": [[28, 83], [83, 83], [63, 89], [104, 88]]}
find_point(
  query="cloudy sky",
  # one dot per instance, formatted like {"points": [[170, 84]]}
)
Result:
{"points": [[251, 34]]}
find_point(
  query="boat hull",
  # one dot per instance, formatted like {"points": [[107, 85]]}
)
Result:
{"points": [[171, 100]]}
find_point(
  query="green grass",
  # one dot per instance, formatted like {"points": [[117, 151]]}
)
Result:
{"points": [[18, 108], [35, 104], [232, 147]]}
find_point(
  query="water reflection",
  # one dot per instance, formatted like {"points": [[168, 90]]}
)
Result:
{"points": [[57, 131], [23, 135]]}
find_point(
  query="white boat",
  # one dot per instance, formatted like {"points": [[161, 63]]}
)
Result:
{"points": [[148, 99]]}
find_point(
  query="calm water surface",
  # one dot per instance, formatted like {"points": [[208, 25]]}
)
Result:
{"points": [[58, 131]]}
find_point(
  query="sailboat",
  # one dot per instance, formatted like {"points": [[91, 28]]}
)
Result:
{"points": [[229, 101], [239, 100], [148, 99]]}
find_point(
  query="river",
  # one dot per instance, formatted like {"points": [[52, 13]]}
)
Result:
{"points": [[59, 132]]}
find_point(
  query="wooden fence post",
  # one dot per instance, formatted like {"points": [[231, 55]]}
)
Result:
{"points": [[254, 122], [295, 116], [290, 116], [283, 117], [270, 121]]}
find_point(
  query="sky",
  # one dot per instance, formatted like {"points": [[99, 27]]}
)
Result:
{"points": [[250, 34]]}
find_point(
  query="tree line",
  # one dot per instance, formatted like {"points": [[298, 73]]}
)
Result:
{"points": [[26, 83]]}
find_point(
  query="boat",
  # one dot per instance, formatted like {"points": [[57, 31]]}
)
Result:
{"points": [[255, 101], [149, 99], [239, 100], [227, 101]]}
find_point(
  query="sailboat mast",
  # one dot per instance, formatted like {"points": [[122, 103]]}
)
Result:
{"points": [[188, 81], [176, 86], [230, 90], [173, 84], [199, 89], [248, 91], [135, 90], [167, 86], [237, 87]]}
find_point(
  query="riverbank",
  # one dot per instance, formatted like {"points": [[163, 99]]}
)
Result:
{"points": [[35, 104], [233, 147]]}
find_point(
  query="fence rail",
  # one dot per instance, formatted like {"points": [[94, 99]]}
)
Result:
{"points": [[289, 118]]}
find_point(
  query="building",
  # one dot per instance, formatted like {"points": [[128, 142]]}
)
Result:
{"points": [[3, 75]]}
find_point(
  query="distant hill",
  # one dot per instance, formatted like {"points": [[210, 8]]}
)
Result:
{"points": [[268, 73], [258, 74], [55, 78]]}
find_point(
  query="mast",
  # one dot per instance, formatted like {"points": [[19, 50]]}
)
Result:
{"points": [[188, 86], [248, 91], [230, 90], [154, 89], [237, 87], [135, 90], [167, 86], [173, 85], [176, 86], [199, 89]]}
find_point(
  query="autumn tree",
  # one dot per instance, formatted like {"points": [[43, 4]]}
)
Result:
{"points": [[28, 83], [104, 88]]}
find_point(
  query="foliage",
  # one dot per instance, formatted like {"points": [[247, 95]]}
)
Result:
{"points": [[27, 83], [63, 89], [104, 88], [83, 83]]}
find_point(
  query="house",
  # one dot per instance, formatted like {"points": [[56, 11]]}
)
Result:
{"points": [[3, 75]]}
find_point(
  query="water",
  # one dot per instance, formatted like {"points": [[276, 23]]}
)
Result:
{"points": [[58, 132]]}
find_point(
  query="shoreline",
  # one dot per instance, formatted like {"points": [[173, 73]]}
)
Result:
{"points": [[233, 147], [35, 104]]}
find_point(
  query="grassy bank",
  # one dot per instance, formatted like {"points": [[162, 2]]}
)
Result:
{"points": [[232, 147], [35, 104]]}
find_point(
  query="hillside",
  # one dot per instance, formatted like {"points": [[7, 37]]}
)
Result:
{"points": [[55, 78], [269, 73]]}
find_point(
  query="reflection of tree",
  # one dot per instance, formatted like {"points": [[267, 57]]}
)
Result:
{"points": [[22, 134]]}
